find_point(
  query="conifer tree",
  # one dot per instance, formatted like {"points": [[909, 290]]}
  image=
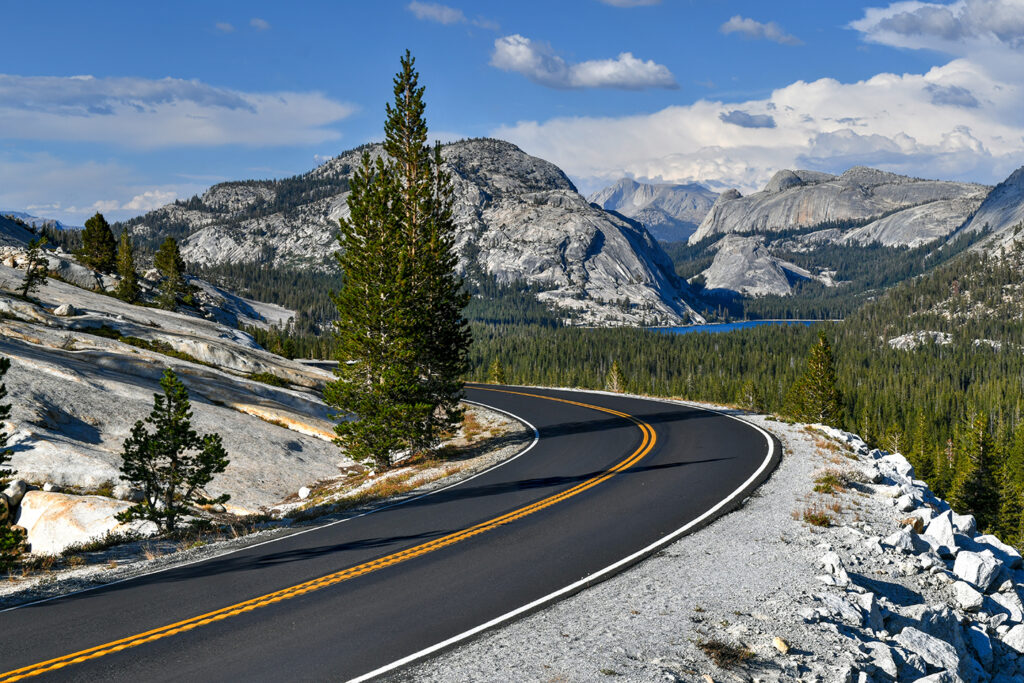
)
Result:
{"points": [[1011, 488], [35, 268], [99, 249], [614, 381], [749, 398], [974, 489], [172, 464], [128, 287], [5, 414], [815, 397], [170, 264], [496, 373], [400, 336], [12, 541]]}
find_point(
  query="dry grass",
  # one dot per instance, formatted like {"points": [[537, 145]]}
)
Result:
{"points": [[816, 516], [724, 655]]}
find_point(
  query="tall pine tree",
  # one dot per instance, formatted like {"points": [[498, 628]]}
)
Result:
{"points": [[170, 264], [128, 287], [814, 397], [975, 489], [99, 249], [400, 336]]}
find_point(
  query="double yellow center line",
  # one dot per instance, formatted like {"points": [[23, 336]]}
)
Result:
{"points": [[649, 438]]}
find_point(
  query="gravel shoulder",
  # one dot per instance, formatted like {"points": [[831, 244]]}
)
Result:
{"points": [[839, 600]]}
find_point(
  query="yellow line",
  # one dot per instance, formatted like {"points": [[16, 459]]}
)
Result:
{"points": [[649, 438]]}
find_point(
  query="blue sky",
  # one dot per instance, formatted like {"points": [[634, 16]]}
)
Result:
{"points": [[121, 106]]}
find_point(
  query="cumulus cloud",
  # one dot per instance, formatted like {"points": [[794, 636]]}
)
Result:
{"points": [[904, 123], [73, 191], [750, 28], [259, 24], [946, 27], [146, 113], [540, 63], [745, 120]]}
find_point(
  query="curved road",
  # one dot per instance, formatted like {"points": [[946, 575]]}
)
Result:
{"points": [[608, 481]]}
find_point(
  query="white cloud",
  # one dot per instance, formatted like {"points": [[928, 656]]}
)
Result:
{"points": [[73, 191], [750, 28], [892, 121], [443, 14], [224, 27], [539, 63], [145, 113], [259, 24], [432, 11], [957, 28]]}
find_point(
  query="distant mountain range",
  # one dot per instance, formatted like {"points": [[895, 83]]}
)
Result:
{"points": [[520, 221], [669, 212], [38, 221]]}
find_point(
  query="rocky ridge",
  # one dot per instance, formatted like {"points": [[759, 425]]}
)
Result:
{"points": [[519, 218], [892, 209], [1002, 212], [669, 212], [744, 265]]}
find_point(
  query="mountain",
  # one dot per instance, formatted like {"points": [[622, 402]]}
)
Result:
{"points": [[13, 232], [37, 221], [1002, 212], [743, 265], [520, 222], [866, 204], [670, 212]]}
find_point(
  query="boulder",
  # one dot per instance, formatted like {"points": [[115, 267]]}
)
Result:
{"points": [[842, 609], [980, 644], [1006, 554], [50, 487], [872, 612], [896, 467], [5, 508], [906, 503], [15, 490], [937, 653], [55, 521], [980, 569], [881, 657], [125, 492], [964, 524], [1014, 639], [304, 493], [967, 598], [1008, 604], [941, 529], [65, 311]]}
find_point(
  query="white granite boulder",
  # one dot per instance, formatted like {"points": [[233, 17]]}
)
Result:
{"points": [[55, 521]]}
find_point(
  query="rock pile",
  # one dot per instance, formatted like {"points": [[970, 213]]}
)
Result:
{"points": [[974, 633]]}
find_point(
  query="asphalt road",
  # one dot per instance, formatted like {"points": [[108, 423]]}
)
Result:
{"points": [[603, 485]]}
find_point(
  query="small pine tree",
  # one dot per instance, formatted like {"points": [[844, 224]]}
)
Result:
{"points": [[1011, 488], [614, 381], [128, 287], [99, 248], [12, 541], [496, 374], [172, 464], [5, 414], [814, 397], [35, 268], [974, 489], [749, 397], [170, 264]]}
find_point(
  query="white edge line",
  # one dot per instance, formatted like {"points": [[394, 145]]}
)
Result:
{"points": [[536, 438], [573, 587]]}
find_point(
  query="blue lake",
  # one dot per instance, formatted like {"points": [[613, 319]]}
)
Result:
{"points": [[729, 327]]}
